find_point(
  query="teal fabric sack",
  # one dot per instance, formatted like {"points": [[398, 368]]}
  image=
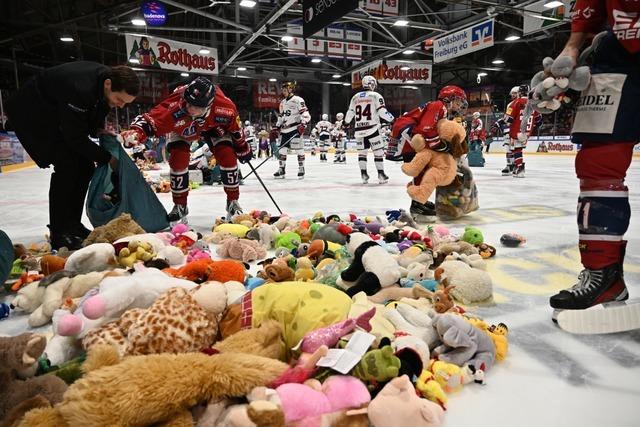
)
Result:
{"points": [[135, 195], [6, 256]]}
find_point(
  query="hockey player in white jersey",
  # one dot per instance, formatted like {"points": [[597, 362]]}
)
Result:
{"points": [[250, 137], [292, 121], [367, 110], [322, 131], [338, 136]]}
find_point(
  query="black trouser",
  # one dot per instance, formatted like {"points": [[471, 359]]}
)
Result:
{"points": [[68, 189]]}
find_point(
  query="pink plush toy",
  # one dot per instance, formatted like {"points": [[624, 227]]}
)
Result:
{"points": [[196, 254], [183, 238], [309, 402], [331, 334]]}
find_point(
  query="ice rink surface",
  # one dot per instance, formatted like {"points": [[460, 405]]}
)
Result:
{"points": [[550, 378]]}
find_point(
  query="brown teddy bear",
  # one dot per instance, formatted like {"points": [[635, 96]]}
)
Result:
{"points": [[431, 169], [20, 392], [115, 229], [244, 250], [157, 389]]}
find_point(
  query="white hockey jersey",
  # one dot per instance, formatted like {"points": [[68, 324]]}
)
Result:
{"points": [[337, 132], [249, 132], [368, 110], [293, 112], [323, 129]]}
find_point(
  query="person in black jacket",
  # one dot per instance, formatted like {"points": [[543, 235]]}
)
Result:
{"points": [[53, 115]]}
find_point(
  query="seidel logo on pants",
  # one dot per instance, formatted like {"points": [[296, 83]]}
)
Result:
{"points": [[597, 108]]}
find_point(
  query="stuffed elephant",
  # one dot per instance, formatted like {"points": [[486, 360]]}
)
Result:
{"points": [[463, 343]]}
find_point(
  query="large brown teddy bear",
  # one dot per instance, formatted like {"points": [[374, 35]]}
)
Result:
{"points": [[431, 169], [157, 389]]}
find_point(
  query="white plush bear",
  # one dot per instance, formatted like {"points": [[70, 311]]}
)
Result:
{"points": [[471, 284], [95, 257]]}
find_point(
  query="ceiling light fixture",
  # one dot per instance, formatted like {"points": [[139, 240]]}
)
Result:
{"points": [[346, 84], [553, 4], [184, 74], [204, 51], [512, 37], [286, 38], [316, 60], [482, 74], [336, 76], [497, 61], [247, 3], [242, 68], [410, 81], [401, 23], [134, 60], [273, 80], [138, 22], [66, 38], [408, 52]]}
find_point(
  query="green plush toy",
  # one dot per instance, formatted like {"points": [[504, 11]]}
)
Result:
{"points": [[315, 227], [289, 240], [377, 365], [69, 372], [473, 235]]}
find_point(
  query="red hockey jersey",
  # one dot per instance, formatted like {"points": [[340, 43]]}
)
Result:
{"points": [[623, 16], [422, 120], [170, 117]]}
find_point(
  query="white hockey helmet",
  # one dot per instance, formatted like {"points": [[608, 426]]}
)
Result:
{"points": [[339, 116], [476, 114], [369, 83], [325, 117], [514, 91], [247, 122]]}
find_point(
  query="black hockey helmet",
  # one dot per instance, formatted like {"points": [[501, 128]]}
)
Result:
{"points": [[523, 90], [200, 93]]}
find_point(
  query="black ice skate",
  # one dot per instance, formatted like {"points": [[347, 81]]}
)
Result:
{"points": [[594, 287], [518, 171], [508, 170], [279, 174], [336, 159], [178, 214], [301, 173], [233, 209], [422, 213], [365, 176], [382, 177]]}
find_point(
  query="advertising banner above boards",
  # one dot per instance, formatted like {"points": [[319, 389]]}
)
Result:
{"points": [[345, 45], [395, 72], [266, 94], [537, 17], [462, 42], [380, 7], [159, 53], [317, 14], [559, 144]]}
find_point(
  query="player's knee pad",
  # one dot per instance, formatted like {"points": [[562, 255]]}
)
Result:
{"points": [[603, 210]]}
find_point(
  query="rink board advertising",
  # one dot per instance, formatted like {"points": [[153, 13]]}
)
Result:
{"points": [[471, 39], [165, 54]]}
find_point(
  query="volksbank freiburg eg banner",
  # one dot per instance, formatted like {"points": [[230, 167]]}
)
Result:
{"points": [[465, 41], [165, 54]]}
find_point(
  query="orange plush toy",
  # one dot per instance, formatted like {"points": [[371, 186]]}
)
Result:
{"points": [[431, 169], [51, 263], [204, 270]]}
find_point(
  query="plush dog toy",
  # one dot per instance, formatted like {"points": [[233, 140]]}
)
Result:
{"points": [[430, 168]]}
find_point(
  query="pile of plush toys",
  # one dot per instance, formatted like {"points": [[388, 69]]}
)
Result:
{"points": [[233, 328]]}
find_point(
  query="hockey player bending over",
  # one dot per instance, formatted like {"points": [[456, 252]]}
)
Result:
{"points": [[196, 110], [322, 131], [367, 110], [292, 122]]}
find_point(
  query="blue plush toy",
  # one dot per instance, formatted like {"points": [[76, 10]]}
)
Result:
{"points": [[253, 282], [429, 284], [4, 311]]}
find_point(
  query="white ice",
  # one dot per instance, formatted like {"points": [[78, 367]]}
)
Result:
{"points": [[550, 378]]}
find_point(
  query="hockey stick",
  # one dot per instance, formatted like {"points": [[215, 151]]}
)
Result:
{"points": [[253, 170]]}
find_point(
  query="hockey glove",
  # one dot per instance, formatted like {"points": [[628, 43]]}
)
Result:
{"points": [[130, 138], [243, 152]]}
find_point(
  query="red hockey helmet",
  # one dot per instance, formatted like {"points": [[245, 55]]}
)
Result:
{"points": [[451, 92]]}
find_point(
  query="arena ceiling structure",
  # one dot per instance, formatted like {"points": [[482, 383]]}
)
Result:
{"points": [[250, 39]]}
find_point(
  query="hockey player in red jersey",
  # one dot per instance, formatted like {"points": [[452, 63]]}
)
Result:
{"points": [[424, 119], [518, 135], [606, 126], [197, 110]]}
